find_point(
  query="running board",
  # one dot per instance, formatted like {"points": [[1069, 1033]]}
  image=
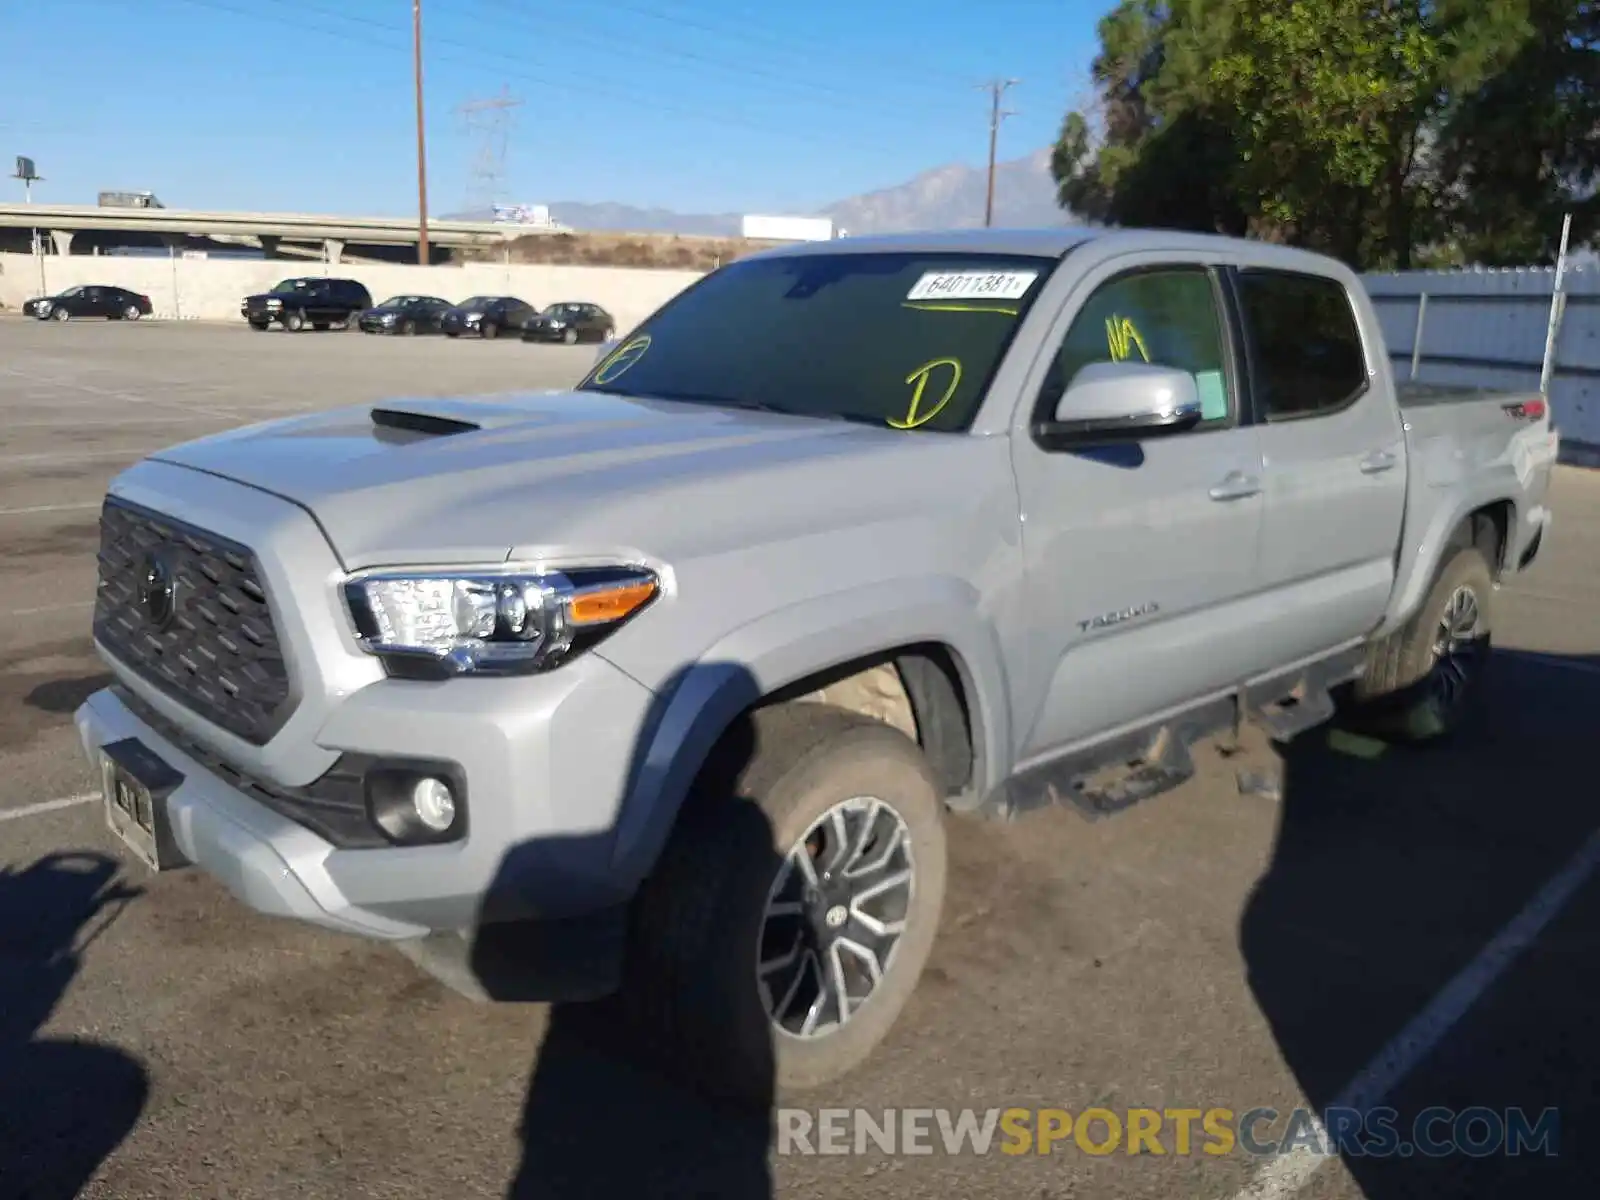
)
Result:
{"points": [[1111, 777]]}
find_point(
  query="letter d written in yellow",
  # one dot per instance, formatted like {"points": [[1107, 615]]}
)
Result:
{"points": [[1018, 1138]]}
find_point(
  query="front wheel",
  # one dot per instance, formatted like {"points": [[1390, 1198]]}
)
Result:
{"points": [[489, 330], [570, 337], [1424, 681], [791, 914], [294, 322], [60, 314], [408, 328]]}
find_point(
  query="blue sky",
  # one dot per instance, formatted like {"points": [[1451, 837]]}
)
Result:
{"points": [[721, 105]]}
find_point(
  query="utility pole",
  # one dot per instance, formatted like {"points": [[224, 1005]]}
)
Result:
{"points": [[996, 90], [422, 151]]}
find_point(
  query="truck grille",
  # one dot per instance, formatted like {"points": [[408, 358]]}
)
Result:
{"points": [[187, 611]]}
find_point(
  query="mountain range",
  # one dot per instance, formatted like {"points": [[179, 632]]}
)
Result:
{"points": [[948, 197]]}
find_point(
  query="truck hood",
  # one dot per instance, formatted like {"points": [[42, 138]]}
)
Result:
{"points": [[419, 481]]}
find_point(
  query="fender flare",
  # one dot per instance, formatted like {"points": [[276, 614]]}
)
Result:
{"points": [[701, 700], [1415, 577]]}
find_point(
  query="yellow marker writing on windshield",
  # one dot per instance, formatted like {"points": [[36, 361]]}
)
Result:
{"points": [[1122, 335], [621, 359], [915, 415]]}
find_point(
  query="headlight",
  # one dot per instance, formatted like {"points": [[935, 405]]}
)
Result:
{"points": [[475, 316], [495, 621], [274, 303], [556, 324], [387, 318]]}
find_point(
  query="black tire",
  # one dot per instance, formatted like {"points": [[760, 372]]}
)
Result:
{"points": [[489, 331], [450, 334], [690, 982], [569, 337], [1424, 681], [60, 314], [131, 313], [294, 322], [260, 326], [408, 328]]}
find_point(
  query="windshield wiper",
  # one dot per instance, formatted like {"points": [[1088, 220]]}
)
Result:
{"points": [[708, 399]]}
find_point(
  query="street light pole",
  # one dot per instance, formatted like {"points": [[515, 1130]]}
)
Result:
{"points": [[422, 150]]}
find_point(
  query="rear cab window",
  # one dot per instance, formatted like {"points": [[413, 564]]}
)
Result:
{"points": [[1307, 356], [906, 340]]}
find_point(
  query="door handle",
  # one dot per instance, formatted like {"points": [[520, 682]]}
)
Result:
{"points": [[1377, 461], [1236, 485]]}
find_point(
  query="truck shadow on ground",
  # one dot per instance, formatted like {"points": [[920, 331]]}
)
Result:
{"points": [[603, 1117], [1388, 880], [64, 1105]]}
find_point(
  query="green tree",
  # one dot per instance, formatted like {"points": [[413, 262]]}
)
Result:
{"points": [[1375, 130]]}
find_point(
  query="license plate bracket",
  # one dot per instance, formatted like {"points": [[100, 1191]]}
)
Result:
{"points": [[134, 785]]}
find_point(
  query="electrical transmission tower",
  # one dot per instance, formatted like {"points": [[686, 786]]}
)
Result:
{"points": [[489, 122]]}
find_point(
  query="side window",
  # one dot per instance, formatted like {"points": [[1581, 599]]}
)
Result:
{"points": [[1308, 354], [1167, 317]]}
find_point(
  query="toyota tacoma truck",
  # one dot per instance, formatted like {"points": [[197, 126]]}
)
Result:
{"points": [[673, 680]]}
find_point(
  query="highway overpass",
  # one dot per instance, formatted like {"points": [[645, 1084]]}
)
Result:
{"points": [[275, 233]]}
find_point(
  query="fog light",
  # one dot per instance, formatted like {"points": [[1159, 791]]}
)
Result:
{"points": [[434, 803], [417, 803]]}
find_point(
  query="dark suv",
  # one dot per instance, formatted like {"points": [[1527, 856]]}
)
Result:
{"points": [[308, 300]]}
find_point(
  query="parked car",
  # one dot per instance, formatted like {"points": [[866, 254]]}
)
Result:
{"points": [[90, 300], [1084, 497], [570, 322], [405, 315], [486, 316], [308, 300]]}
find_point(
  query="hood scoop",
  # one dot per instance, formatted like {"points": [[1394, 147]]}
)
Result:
{"points": [[425, 423]]}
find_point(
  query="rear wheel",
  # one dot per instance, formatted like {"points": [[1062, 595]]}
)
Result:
{"points": [[791, 914], [1424, 681], [131, 313]]}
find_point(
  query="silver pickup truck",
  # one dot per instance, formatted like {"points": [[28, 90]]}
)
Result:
{"points": [[673, 680]]}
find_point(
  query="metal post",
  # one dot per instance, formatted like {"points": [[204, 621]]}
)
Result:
{"points": [[1416, 338], [422, 153], [1557, 309]]}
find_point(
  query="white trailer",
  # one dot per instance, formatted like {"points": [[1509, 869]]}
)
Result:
{"points": [[788, 229]]}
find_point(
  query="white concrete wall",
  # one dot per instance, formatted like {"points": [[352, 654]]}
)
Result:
{"points": [[1500, 315], [210, 289]]}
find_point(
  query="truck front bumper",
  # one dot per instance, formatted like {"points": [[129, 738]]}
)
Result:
{"points": [[546, 762]]}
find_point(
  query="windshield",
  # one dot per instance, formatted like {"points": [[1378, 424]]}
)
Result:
{"points": [[477, 302], [400, 301], [906, 340], [72, 291], [293, 285], [556, 310]]}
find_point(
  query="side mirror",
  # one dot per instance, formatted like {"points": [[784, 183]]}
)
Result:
{"points": [[1111, 400]]}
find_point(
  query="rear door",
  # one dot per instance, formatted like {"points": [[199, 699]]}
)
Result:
{"points": [[1141, 556], [1335, 463]]}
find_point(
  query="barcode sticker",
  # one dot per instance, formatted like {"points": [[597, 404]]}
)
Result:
{"points": [[972, 285]]}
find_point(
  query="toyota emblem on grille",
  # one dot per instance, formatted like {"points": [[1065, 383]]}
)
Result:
{"points": [[159, 593]]}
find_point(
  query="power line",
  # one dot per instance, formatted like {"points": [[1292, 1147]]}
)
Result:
{"points": [[489, 120], [996, 89]]}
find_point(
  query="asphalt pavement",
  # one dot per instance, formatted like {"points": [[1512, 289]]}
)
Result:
{"points": [[1416, 929]]}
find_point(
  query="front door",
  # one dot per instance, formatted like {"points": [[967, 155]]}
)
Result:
{"points": [[1141, 556], [1335, 461]]}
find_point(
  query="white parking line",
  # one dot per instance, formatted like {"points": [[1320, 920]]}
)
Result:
{"points": [[45, 508], [47, 806], [1285, 1175], [48, 608]]}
